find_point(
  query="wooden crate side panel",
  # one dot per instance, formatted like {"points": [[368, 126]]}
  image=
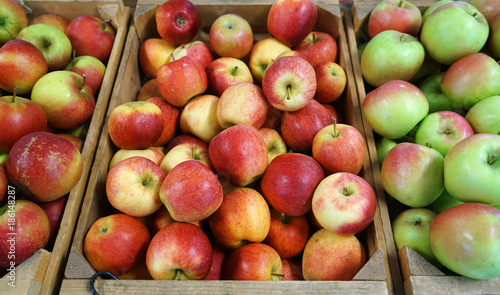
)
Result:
{"points": [[225, 287]]}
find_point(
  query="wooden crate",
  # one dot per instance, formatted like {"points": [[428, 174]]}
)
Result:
{"points": [[419, 276], [42, 273], [374, 278]]}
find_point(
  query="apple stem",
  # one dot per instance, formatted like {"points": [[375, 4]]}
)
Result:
{"points": [[178, 275], [492, 159], [335, 127], [314, 37], [146, 181], [400, 3], [15, 92], [288, 90], [74, 54], [418, 222], [278, 274], [235, 69], [172, 58], [195, 147], [84, 79], [105, 23], [427, 144], [284, 218]]}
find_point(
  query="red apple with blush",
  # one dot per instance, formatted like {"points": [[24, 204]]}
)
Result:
{"points": [[291, 21], [255, 261], [197, 49], [289, 182], [299, 128], [171, 120], [318, 47], [177, 21], [153, 53], [288, 235]]}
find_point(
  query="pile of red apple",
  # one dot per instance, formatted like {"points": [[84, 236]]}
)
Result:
{"points": [[434, 104], [230, 164], [51, 73]]}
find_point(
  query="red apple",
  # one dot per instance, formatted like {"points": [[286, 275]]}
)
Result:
{"points": [[242, 103], [299, 128], [91, 67], [191, 192], [226, 71], [239, 154], [44, 165], [273, 119], [243, 217], [289, 183], [160, 219], [488, 8], [197, 49], [148, 90], [399, 15], [180, 80], [12, 20], [180, 251], [153, 53], [288, 235], [23, 64], [184, 152], [292, 269], [331, 257], [116, 243], [318, 47], [155, 154], [219, 255], [20, 116], [255, 261], [177, 21], [344, 203], [133, 186], [3, 183], [289, 83], [290, 21], [331, 81], [336, 115], [231, 35], [52, 19], [91, 35], [184, 138], [339, 148], [54, 210], [171, 120], [77, 142], [135, 125], [24, 229]]}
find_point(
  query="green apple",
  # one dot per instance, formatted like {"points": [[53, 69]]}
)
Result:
{"points": [[470, 79], [391, 55], [472, 169], [65, 98], [384, 145], [442, 130], [483, 116], [411, 227], [431, 87], [453, 31], [395, 108], [466, 240], [493, 42], [52, 42], [443, 202], [433, 7], [413, 174]]}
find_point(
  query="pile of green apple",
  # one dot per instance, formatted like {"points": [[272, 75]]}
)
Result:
{"points": [[434, 104], [230, 163], [51, 72]]}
